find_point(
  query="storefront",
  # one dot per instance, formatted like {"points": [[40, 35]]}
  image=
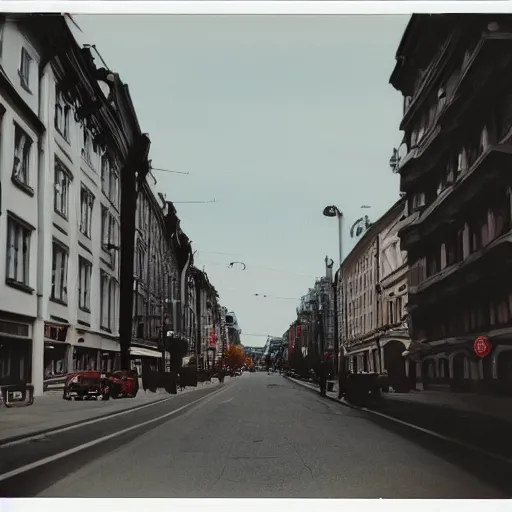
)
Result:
{"points": [[86, 358], [55, 360], [56, 355], [15, 351], [110, 361]]}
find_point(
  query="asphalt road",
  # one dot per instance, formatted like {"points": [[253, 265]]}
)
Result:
{"points": [[258, 436]]}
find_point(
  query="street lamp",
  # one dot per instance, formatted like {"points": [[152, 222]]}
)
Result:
{"points": [[334, 211]]}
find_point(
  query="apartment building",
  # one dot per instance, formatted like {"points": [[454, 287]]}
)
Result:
{"points": [[375, 298], [452, 71], [60, 169], [23, 121], [156, 280]]}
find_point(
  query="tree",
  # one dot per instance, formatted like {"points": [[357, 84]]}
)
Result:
{"points": [[235, 356]]}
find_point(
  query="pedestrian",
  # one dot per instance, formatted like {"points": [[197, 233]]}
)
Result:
{"points": [[322, 374], [267, 362]]}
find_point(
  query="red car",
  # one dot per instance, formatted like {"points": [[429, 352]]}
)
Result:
{"points": [[93, 384]]}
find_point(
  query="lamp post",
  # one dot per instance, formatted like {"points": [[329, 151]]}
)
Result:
{"points": [[334, 211]]}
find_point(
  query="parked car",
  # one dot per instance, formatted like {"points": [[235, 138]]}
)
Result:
{"points": [[84, 385]]}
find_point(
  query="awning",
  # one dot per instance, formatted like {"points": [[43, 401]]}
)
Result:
{"points": [[145, 352]]}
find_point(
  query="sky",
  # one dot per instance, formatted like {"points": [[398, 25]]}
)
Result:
{"points": [[274, 117]]}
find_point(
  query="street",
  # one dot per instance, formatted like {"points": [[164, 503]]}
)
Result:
{"points": [[257, 436]]}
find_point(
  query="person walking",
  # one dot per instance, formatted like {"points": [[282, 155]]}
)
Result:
{"points": [[267, 362], [323, 371]]}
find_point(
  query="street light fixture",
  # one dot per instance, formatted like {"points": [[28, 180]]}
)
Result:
{"points": [[334, 211]]}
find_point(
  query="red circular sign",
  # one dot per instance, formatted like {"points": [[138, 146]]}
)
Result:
{"points": [[482, 346]]}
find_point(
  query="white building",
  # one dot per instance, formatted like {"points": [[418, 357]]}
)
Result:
{"points": [[58, 301], [21, 132]]}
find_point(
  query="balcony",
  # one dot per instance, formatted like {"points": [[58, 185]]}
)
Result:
{"points": [[472, 80], [430, 78], [471, 85], [478, 267], [487, 168]]}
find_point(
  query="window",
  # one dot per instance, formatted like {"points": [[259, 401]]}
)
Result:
{"points": [[24, 70], [59, 272], [114, 187], [113, 289], [84, 284], [89, 147], [108, 296], [18, 252], [62, 111], [104, 226], [109, 229], [109, 180], [21, 164], [104, 300], [105, 172], [61, 191], [86, 204]]}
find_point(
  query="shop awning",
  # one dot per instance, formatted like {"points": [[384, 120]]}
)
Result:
{"points": [[145, 352]]}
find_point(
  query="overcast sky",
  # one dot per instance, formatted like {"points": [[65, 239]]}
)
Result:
{"points": [[275, 117]]}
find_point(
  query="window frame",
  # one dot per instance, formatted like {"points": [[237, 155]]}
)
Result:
{"points": [[86, 199], [22, 152], [84, 295], [63, 285], [62, 196], [24, 69], [63, 108], [105, 289], [26, 233]]}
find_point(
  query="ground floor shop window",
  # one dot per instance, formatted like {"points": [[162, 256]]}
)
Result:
{"points": [[55, 360], [107, 361], [85, 359], [15, 361]]}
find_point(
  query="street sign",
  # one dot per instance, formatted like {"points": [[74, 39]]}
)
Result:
{"points": [[482, 346], [213, 339]]}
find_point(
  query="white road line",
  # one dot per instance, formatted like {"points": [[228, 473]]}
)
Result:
{"points": [[421, 429], [226, 401], [84, 423], [76, 449], [88, 422]]}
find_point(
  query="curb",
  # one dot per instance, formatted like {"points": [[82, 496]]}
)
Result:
{"points": [[50, 430], [333, 399]]}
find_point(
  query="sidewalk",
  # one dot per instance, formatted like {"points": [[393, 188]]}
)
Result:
{"points": [[477, 420], [499, 407], [51, 411]]}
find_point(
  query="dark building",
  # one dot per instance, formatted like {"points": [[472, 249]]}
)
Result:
{"points": [[454, 74]]}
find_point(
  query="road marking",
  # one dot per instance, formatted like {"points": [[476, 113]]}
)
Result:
{"points": [[416, 427], [87, 422], [79, 448], [226, 401]]}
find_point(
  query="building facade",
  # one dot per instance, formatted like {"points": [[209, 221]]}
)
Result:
{"points": [[156, 280], [233, 329], [61, 206], [452, 71], [69, 137], [373, 301], [22, 131], [208, 320]]}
